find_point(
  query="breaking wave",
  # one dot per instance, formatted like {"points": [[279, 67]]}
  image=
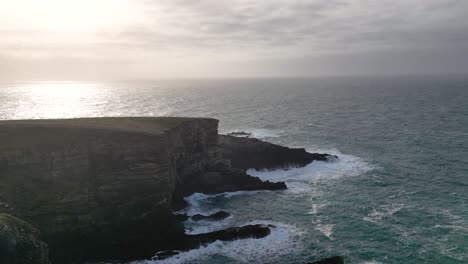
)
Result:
{"points": [[344, 166], [284, 239]]}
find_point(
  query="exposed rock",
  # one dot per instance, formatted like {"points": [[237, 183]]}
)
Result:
{"points": [[233, 233], [166, 254], [213, 217], [105, 188], [231, 180], [102, 188], [332, 260], [20, 242], [245, 153], [181, 217]]}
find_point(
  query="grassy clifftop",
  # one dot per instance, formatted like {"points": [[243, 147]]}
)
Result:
{"points": [[18, 133]]}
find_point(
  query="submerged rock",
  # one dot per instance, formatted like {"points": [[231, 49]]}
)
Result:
{"points": [[213, 217], [20, 242], [332, 260]]}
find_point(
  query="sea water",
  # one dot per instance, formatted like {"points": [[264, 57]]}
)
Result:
{"points": [[397, 194]]}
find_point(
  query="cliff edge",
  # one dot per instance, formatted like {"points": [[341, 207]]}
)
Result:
{"points": [[105, 188]]}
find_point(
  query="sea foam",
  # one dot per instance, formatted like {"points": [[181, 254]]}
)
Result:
{"points": [[284, 239], [300, 179]]}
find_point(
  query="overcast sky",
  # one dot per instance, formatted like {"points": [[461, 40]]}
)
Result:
{"points": [[131, 39]]}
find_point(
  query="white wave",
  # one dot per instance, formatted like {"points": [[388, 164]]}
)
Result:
{"points": [[378, 215], [346, 165], [455, 222], [326, 229], [259, 133], [283, 239], [312, 124], [316, 207], [266, 133], [454, 227], [203, 226], [199, 202], [299, 180]]}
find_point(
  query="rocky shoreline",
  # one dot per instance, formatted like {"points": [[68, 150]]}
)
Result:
{"points": [[105, 189]]}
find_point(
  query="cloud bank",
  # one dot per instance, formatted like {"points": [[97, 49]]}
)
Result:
{"points": [[231, 38]]}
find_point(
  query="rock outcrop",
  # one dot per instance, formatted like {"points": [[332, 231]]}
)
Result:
{"points": [[245, 153], [105, 188], [332, 260], [213, 217], [233, 233], [20, 243], [229, 234]]}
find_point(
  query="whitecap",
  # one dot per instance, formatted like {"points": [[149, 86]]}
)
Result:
{"points": [[312, 124], [316, 207], [378, 215], [326, 229]]}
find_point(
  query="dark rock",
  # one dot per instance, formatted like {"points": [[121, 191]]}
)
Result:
{"points": [[246, 153], [213, 217], [20, 242], [190, 242], [332, 260], [103, 189], [181, 217], [233, 233], [166, 254], [231, 180]]}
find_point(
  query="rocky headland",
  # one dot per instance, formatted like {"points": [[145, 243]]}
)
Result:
{"points": [[104, 189]]}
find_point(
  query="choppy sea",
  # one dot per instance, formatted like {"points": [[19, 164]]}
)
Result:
{"points": [[397, 194]]}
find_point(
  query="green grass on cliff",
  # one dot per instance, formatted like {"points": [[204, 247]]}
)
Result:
{"points": [[17, 133], [150, 125]]}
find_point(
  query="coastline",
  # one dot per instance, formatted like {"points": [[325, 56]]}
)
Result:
{"points": [[84, 182]]}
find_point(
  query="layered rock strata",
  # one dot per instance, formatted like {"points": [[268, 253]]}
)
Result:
{"points": [[105, 188]]}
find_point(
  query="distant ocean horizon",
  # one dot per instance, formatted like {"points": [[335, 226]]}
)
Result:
{"points": [[397, 194]]}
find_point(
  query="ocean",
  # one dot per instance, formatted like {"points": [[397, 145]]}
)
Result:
{"points": [[397, 194]]}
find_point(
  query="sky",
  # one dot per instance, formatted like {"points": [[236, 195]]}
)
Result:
{"points": [[145, 39]]}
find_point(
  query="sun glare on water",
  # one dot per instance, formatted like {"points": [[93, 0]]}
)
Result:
{"points": [[57, 100]]}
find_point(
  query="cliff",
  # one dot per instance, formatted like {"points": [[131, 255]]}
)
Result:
{"points": [[20, 243], [105, 188]]}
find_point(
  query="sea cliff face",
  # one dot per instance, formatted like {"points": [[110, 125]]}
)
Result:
{"points": [[79, 181], [105, 188]]}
